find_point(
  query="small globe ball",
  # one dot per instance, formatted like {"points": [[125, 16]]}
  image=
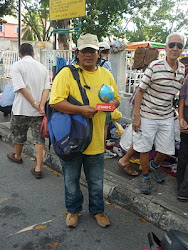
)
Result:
{"points": [[106, 93]]}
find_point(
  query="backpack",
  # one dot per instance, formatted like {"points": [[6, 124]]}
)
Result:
{"points": [[69, 134]]}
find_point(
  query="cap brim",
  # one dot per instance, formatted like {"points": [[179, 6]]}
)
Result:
{"points": [[88, 46]]}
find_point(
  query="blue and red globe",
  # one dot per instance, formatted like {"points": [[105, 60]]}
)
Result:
{"points": [[106, 93]]}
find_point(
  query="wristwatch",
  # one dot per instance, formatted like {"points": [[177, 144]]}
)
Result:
{"points": [[34, 104]]}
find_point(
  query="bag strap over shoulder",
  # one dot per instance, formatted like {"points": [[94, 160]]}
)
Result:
{"points": [[76, 76], [103, 62]]}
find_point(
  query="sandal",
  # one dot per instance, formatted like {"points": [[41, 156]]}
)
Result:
{"points": [[128, 169], [11, 156], [136, 161], [37, 174]]}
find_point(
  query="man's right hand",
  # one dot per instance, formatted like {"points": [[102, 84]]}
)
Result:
{"points": [[183, 126], [87, 111], [136, 124]]}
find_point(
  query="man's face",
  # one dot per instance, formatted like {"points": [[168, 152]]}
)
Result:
{"points": [[88, 58], [174, 48]]}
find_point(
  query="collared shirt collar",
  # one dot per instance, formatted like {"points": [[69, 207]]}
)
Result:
{"points": [[168, 66], [27, 56]]}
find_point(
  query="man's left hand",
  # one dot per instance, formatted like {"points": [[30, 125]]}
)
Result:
{"points": [[37, 106], [41, 110]]}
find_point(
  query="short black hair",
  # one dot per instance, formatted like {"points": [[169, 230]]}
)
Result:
{"points": [[184, 60], [26, 49], [104, 51]]}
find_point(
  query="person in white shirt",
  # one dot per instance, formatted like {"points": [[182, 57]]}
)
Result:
{"points": [[31, 86]]}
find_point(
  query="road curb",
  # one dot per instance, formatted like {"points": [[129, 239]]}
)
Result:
{"points": [[117, 190]]}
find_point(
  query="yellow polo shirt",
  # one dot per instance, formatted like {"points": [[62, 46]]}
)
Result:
{"points": [[65, 85]]}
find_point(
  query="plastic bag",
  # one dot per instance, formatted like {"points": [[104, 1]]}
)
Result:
{"points": [[119, 129], [127, 138], [115, 115], [44, 132]]}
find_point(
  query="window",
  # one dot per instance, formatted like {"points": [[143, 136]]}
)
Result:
{"points": [[1, 28]]}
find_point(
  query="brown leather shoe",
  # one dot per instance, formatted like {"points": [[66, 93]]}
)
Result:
{"points": [[102, 219], [11, 156], [72, 220], [38, 174]]}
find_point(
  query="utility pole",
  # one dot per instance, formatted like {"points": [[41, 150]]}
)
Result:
{"points": [[19, 23], [54, 50]]}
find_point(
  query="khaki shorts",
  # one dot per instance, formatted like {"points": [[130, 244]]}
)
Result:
{"points": [[159, 133], [20, 125]]}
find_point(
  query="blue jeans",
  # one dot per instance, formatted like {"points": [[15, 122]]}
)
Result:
{"points": [[93, 166]]}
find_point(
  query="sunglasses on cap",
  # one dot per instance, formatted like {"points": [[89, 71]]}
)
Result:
{"points": [[173, 44], [88, 50]]}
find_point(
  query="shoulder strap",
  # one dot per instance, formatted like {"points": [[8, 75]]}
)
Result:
{"points": [[103, 62], [76, 76]]}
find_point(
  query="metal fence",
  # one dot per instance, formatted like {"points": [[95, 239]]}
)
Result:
{"points": [[48, 59], [7, 59]]}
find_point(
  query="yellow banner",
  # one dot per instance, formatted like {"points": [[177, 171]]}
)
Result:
{"points": [[65, 9]]}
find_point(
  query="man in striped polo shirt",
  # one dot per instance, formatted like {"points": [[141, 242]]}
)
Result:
{"points": [[153, 122]]}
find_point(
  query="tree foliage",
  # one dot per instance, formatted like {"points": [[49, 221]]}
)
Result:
{"points": [[6, 9], [151, 20], [156, 24], [35, 16], [103, 15]]}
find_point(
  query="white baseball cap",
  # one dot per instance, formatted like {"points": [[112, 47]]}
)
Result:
{"points": [[88, 41], [104, 46]]}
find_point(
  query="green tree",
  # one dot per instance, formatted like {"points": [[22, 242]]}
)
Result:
{"points": [[6, 8], [37, 25], [35, 18], [103, 15], [156, 24]]}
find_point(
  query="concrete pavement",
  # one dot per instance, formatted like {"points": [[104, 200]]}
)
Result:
{"points": [[32, 214], [161, 207]]}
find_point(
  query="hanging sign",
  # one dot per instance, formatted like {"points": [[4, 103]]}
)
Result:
{"points": [[66, 9]]}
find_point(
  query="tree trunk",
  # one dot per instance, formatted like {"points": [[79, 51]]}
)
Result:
{"points": [[64, 39]]}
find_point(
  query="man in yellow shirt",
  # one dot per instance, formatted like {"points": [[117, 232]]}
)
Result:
{"points": [[92, 78]]}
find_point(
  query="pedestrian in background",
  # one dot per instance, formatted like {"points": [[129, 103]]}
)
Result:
{"points": [[182, 168], [6, 100], [104, 50], [184, 60], [31, 86], [92, 78], [153, 122]]}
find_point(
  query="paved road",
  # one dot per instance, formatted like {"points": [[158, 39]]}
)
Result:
{"points": [[26, 201], [4, 119]]}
